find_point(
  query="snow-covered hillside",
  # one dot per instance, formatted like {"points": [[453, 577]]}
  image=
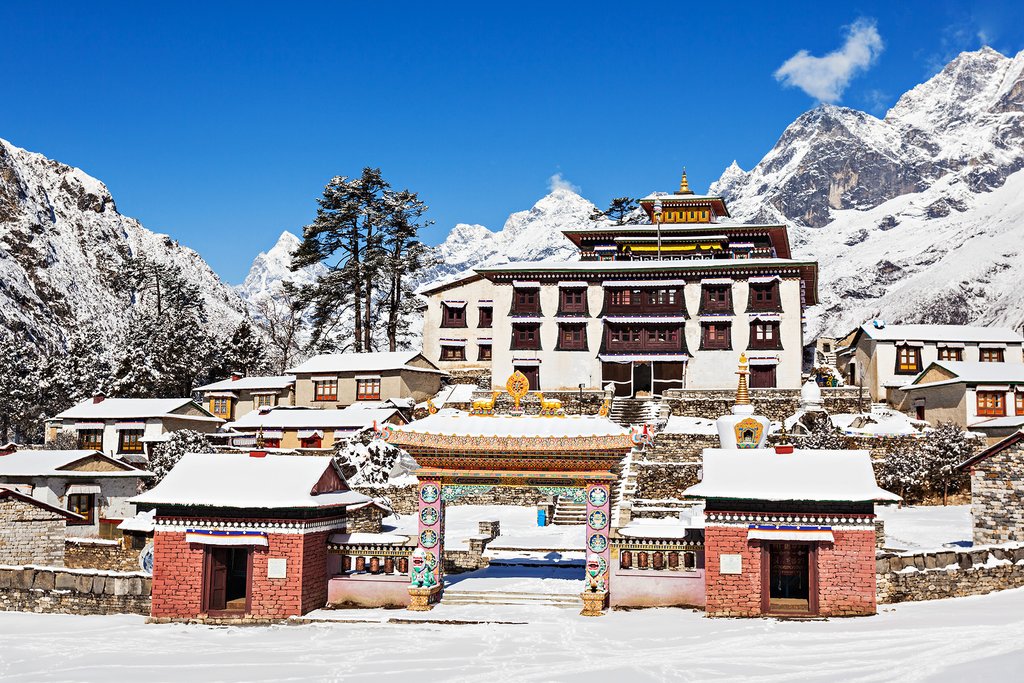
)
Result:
{"points": [[59, 237], [916, 217], [270, 269]]}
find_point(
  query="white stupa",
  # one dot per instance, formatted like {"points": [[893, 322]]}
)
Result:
{"points": [[810, 397], [742, 429]]}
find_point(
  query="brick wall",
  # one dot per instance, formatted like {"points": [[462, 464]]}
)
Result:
{"points": [[314, 570], [30, 534], [70, 591], [997, 488], [99, 554], [846, 574], [732, 595], [177, 576]]}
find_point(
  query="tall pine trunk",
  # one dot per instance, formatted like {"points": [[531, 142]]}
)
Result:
{"points": [[368, 324]]}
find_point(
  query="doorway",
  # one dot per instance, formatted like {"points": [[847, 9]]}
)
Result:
{"points": [[228, 580], [532, 373], [791, 579], [641, 379]]}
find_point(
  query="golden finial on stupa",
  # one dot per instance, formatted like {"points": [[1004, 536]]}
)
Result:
{"points": [[742, 392], [684, 184]]}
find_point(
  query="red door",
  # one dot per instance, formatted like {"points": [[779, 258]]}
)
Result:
{"points": [[216, 579]]}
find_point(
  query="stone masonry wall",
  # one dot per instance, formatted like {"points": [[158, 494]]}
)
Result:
{"points": [[997, 488], [670, 465], [948, 573], [775, 404], [90, 553], [30, 534], [73, 591]]}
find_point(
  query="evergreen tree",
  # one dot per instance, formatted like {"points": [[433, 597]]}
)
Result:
{"points": [[402, 256], [903, 470], [21, 413], [72, 374], [167, 454], [944, 448], [822, 434], [244, 352], [618, 211]]}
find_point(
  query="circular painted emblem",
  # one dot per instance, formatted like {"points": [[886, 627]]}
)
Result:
{"points": [[428, 516], [597, 519], [430, 559], [146, 559], [428, 538], [597, 543], [598, 496], [429, 493]]}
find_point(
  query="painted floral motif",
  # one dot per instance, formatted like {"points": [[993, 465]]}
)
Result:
{"points": [[597, 519], [597, 543], [428, 516], [429, 493], [428, 538], [598, 496]]}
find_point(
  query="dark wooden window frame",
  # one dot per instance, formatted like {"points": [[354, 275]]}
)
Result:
{"points": [[709, 304], [944, 352], [572, 345], [520, 303], [89, 509], [452, 352], [990, 403], [453, 316], [93, 442], [566, 307], [770, 303], [908, 364], [520, 339], [715, 345], [480, 355], [485, 320], [998, 356], [772, 343], [130, 445]]}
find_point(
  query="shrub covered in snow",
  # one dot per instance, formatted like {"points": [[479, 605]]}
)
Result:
{"points": [[167, 454], [367, 460]]}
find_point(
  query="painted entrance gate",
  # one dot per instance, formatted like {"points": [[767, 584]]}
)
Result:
{"points": [[577, 457]]}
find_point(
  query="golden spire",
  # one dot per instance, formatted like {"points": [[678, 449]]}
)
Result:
{"points": [[742, 393], [684, 185]]}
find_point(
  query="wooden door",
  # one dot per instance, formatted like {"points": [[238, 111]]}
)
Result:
{"points": [[532, 373], [216, 578]]}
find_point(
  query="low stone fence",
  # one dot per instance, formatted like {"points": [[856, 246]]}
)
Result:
{"points": [[73, 591], [96, 553], [775, 404], [948, 573]]}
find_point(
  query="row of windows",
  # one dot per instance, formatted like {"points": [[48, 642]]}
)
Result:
{"points": [[128, 440], [715, 298], [367, 389], [993, 403], [908, 358]]}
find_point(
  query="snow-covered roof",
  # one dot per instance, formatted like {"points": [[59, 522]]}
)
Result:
{"points": [[365, 538], [940, 333], [974, 372], [639, 266], [48, 463], [462, 424], [456, 393], [362, 362], [353, 417], [811, 475], [239, 480], [883, 422], [6, 492], [143, 522], [133, 408], [1000, 422], [248, 383], [683, 424]]}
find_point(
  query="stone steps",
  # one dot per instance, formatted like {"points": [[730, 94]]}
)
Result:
{"points": [[560, 600]]}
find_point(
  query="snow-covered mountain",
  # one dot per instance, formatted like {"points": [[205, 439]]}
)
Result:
{"points": [[59, 236], [915, 217], [270, 269]]}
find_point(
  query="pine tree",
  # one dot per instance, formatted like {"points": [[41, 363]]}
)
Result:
{"points": [[944, 448], [167, 454], [21, 413], [403, 255], [618, 211], [244, 352], [903, 470], [822, 434]]}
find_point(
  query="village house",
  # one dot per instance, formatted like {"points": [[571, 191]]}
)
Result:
{"points": [[646, 308], [128, 427], [93, 486], [984, 397], [31, 531], [233, 397], [997, 489], [336, 380], [310, 428], [883, 358], [245, 535]]}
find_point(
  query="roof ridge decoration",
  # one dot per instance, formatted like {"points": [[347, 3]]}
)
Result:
{"points": [[684, 185]]}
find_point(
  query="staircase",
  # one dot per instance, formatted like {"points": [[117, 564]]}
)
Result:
{"points": [[569, 512], [637, 411], [453, 596]]}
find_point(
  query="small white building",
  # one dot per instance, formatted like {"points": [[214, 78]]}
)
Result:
{"points": [[85, 482], [237, 395], [882, 357], [310, 428], [128, 426]]}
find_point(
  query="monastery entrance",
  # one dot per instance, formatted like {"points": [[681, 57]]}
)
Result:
{"points": [[791, 585], [227, 579]]}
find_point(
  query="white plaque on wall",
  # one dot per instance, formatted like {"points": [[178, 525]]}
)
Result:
{"points": [[277, 568], [730, 564]]}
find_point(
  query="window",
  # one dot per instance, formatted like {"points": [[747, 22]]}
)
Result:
{"points": [[314, 441], [367, 389], [991, 403], [660, 336], [486, 317], [572, 337], [622, 297], [453, 315], [908, 360], [663, 297], [762, 376], [90, 439], [625, 335], [990, 355], [129, 441], [526, 301], [572, 300], [764, 297], [325, 389], [716, 299], [765, 335], [1018, 404], [83, 504], [272, 443], [220, 406], [263, 400], [716, 336], [484, 352], [450, 352], [946, 353], [526, 336]]}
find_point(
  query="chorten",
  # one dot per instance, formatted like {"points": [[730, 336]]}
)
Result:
{"points": [[742, 428]]}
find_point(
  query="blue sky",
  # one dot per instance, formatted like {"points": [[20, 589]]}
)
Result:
{"points": [[219, 123]]}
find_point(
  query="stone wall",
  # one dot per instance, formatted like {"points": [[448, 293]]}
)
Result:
{"points": [[997, 488], [948, 573], [94, 553], [775, 404], [670, 465], [30, 534], [73, 591], [366, 519], [530, 404]]}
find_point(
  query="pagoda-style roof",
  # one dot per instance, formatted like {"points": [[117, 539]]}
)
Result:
{"points": [[688, 201], [776, 234]]}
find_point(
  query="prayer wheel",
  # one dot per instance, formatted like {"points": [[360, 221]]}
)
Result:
{"points": [[641, 560], [403, 565], [673, 560], [360, 564], [625, 559], [659, 560], [389, 565], [375, 565], [346, 563]]}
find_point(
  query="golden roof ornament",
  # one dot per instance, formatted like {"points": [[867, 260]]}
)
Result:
{"points": [[742, 392], [684, 184], [517, 387]]}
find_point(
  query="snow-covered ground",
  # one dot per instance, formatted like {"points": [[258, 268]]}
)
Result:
{"points": [[519, 528], [977, 638], [926, 527]]}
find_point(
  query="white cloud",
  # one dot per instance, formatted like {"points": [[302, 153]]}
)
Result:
{"points": [[825, 78], [559, 182]]}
